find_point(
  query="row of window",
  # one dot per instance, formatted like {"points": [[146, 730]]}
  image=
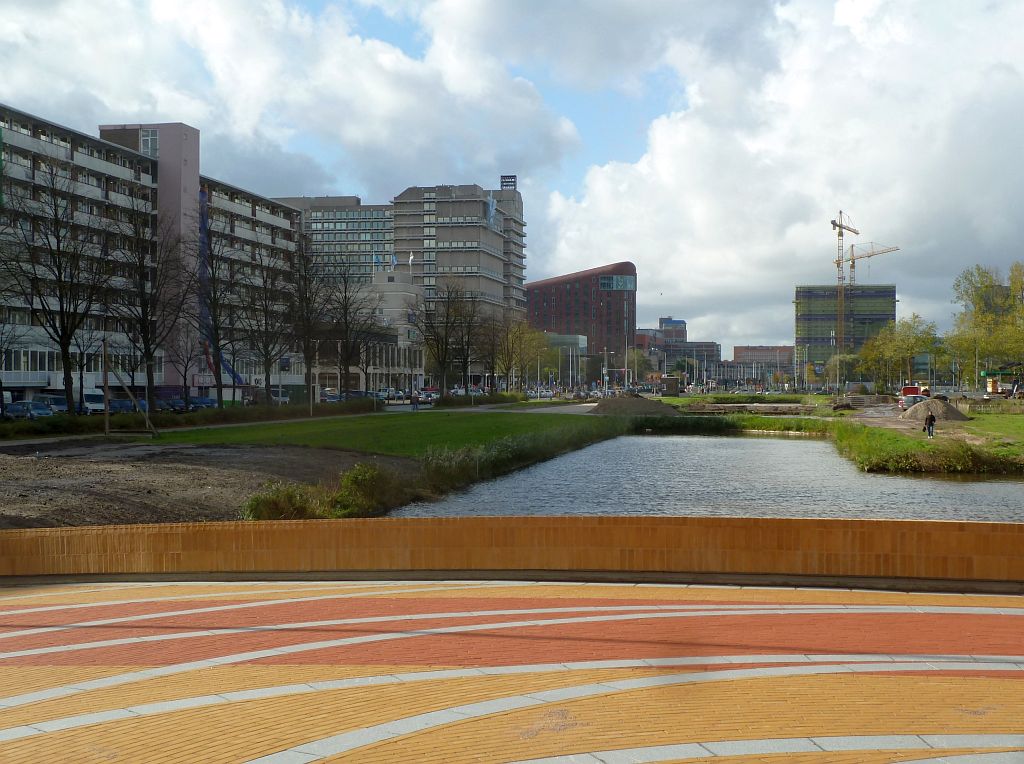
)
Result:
{"points": [[359, 214], [362, 225], [369, 236], [50, 361], [63, 142]]}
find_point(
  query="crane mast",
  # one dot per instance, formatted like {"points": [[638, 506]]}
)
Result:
{"points": [[839, 225]]}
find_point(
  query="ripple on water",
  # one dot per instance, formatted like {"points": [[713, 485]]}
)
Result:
{"points": [[725, 476]]}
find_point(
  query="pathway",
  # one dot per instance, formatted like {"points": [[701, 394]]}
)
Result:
{"points": [[464, 671]]}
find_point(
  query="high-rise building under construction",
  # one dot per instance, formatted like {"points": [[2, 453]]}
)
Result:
{"points": [[867, 308]]}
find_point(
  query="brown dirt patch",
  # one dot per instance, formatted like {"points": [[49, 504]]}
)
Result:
{"points": [[103, 483], [633, 407]]}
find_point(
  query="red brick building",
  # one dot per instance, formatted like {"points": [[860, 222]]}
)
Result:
{"points": [[599, 303]]}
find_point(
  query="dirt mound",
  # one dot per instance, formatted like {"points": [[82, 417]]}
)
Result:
{"points": [[941, 409], [633, 407]]}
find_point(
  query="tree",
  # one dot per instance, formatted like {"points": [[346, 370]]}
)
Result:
{"points": [[219, 274], [352, 311], [311, 302], [87, 342], [154, 283], [184, 350], [50, 260], [467, 334], [264, 310], [438, 322], [509, 332]]}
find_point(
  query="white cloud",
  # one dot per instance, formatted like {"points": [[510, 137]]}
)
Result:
{"points": [[906, 116], [266, 71]]}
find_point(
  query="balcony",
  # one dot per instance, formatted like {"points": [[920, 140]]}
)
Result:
{"points": [[30, 378], [99, 164], [223, 203]]}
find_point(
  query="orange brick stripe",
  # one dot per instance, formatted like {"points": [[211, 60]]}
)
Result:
{"points": [[846, 703]]}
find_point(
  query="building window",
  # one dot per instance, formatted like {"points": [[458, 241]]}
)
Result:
{"points": [[150, 142]]}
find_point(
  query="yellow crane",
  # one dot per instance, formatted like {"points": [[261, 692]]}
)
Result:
{"points": [[839, 225], [851, 256]]}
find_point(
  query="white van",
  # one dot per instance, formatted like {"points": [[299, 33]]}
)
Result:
{"points": [[93, 403]]}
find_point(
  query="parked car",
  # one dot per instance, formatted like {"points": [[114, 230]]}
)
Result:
{"points": [[90, 403], [27, 410], [121, 406], [910, 400], [58, 403], [202, 403], [171, 405]]}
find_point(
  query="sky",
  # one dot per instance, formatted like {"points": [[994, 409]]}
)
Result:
{"points": [[710, 142]]}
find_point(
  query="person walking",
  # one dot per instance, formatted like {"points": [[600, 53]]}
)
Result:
{"points": [[415, 400], [929, 424]]}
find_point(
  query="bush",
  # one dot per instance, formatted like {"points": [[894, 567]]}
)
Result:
{"points": [[281, 501]]}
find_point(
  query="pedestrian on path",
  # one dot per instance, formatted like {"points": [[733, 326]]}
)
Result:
{"points": [[415, 400], [929, 424]]}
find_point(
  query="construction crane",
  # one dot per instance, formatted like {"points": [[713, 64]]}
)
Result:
{"points": [[839, 226], [852, 257]]}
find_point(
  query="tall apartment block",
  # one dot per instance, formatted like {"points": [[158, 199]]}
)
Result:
{"points": [[93, 185], [599, 303], [467, 236], [254, 234], [868, 308], [346, 237]]}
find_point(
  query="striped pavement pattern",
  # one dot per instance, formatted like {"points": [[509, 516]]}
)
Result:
{"points": [[289, 672]]}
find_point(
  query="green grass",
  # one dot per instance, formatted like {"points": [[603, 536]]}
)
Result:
{"points": [[407, 434]]}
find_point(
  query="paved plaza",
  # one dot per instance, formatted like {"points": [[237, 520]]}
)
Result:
{"points": [[289, 672]]}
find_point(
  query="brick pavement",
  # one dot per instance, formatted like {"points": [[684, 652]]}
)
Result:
{"points": [[295, 672]]}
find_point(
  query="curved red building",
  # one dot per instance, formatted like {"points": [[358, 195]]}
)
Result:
{"points": [[599, 303]]}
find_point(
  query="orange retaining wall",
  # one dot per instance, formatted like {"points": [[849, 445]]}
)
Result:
{"points": [[627, 545]]}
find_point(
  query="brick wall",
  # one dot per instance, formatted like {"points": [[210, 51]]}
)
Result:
{"points": [[886, 548]]}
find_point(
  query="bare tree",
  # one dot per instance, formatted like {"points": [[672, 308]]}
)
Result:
{"points": [[354, 322], [155, 283], [264, 310], [88, 341], [219, 275], [467, 332], [184, 350], [310, 309], [51, 260], [438, 321], [488, 342]]}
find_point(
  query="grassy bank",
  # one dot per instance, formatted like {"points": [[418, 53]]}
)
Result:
{"points": [[406, 434], [487, 452]]}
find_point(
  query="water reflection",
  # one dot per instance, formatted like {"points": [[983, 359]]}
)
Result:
{"points": [[753, 477]]}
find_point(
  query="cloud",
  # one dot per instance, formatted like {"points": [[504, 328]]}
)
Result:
{"points": [[903, 115], [269, 72]]}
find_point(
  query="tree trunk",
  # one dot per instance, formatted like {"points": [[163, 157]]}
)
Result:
{"points": [[266, 382], [151, 386], [1, 397], [218, 381], [69, 380]]}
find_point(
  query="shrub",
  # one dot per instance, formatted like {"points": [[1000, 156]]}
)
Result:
{"points": [[281, 501], [367, 490], [458, 401]]}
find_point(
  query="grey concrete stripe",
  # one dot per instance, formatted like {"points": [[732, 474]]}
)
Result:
{"points": [[178, 597], [765, 747], [220, 608], [556, 695], [345, 742], [680, 611]]}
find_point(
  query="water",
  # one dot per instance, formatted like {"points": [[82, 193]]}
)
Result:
{"points": [[734, 476]]}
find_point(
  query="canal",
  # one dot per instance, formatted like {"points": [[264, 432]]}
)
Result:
{"points": [[726, 476]]}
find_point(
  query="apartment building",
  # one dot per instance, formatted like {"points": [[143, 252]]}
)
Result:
{"points": [[243, 241], [68, 192], [467, 237]]}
